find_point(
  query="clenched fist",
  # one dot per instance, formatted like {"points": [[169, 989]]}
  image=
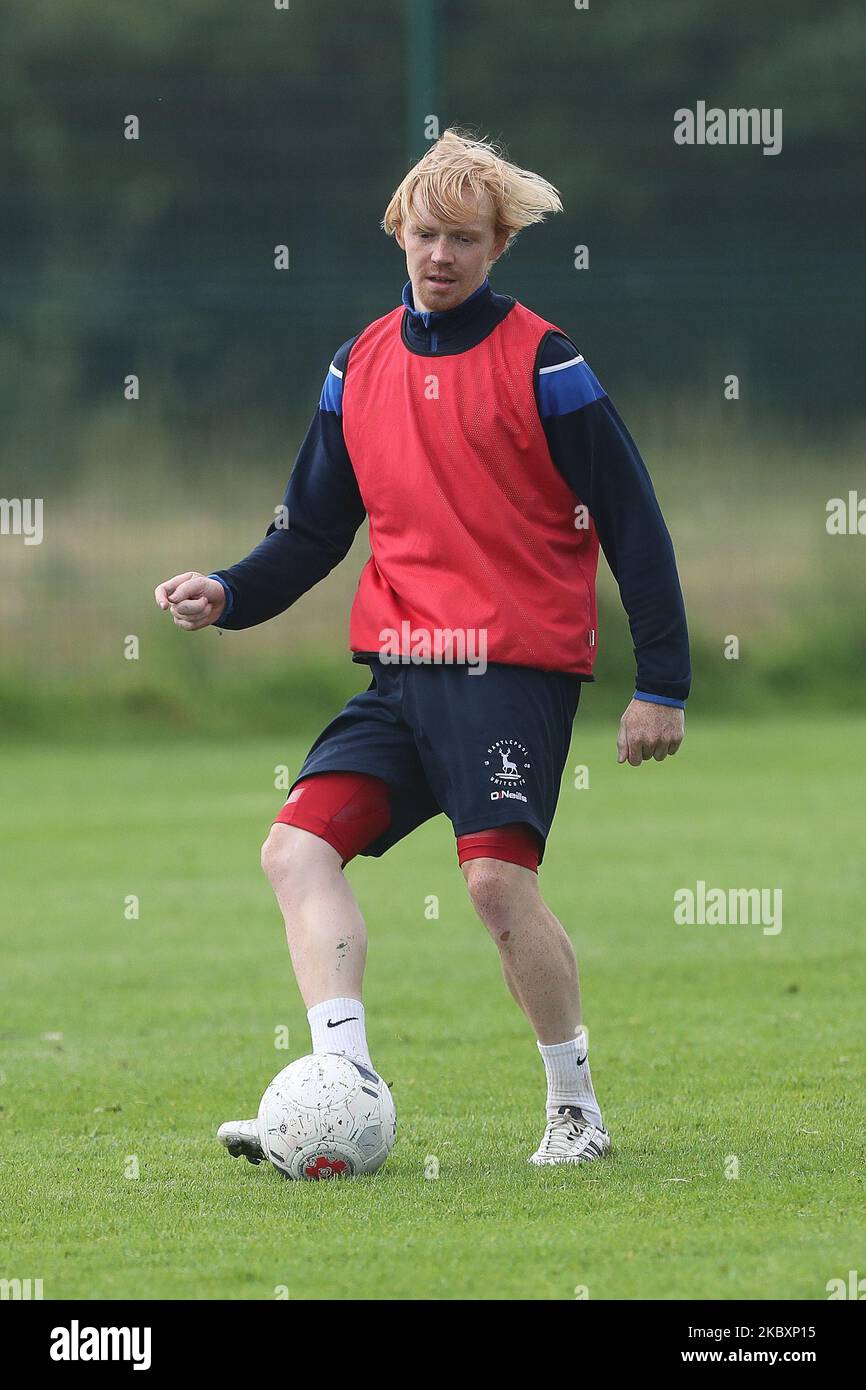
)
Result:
{"points": [[194, 600]]}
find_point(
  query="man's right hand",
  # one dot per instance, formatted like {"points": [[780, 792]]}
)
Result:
{"points": [[194, 600]]}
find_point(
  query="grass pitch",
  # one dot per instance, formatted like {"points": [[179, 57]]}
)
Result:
{"points": [[715, 1050]]}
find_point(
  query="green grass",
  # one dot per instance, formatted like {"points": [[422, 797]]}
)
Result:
{"points": [[706, 1041]]}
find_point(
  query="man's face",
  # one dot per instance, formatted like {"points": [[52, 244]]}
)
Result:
{"points": [[448, 261]]}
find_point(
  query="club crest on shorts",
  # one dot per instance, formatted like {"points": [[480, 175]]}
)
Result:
{"points": [[508, 760]]}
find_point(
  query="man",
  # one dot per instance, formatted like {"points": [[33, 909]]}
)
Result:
{"points": [[490, 464]]}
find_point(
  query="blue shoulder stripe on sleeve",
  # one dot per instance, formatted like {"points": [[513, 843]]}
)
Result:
{"points": [[567, 386], [332, 391]]}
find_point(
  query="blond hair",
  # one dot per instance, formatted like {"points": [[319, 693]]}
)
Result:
{"points": [[457, 162]]}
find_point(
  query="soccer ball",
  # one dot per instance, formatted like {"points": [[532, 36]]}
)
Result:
{"points": [[327, 1116]]}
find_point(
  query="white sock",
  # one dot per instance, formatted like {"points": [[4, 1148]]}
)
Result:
{"points": [[337, 1025], [568, 1078]]}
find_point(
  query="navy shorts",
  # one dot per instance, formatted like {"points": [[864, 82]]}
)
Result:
{"points": [[487, 750]]}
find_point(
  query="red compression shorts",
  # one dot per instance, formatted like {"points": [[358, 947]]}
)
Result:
{"points": [[351, 809], [348, 809]]}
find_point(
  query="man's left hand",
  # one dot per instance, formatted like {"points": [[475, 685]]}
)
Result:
{"points": [[648, 730]]}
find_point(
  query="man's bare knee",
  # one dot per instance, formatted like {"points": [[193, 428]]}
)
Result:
{"points": [[288, 849], [494, 885]]}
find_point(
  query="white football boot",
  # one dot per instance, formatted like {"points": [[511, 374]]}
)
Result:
{"points": [[241, 1138], [571, 1138]]}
